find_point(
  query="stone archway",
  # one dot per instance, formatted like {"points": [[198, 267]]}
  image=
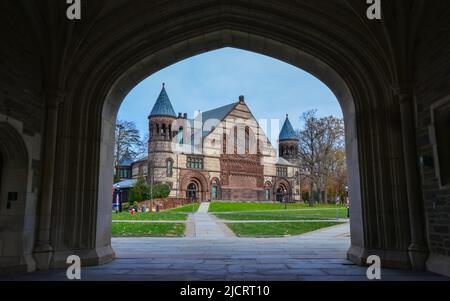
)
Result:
{"points": [[281, 190], [191, 181], [16, 236], [113, 50]]}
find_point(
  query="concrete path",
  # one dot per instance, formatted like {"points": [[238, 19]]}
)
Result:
{"points": [[318, 255], [207, 226], [152, 221], [285, 221]]}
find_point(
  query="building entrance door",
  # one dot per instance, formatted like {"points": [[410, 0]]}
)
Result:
{"points": [[280, 194], [192, 191]]}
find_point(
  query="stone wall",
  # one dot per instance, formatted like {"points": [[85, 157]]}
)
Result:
{"points": [[432, 86], [167, 203]]}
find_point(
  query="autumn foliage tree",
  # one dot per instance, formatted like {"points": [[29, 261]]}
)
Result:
{"points": [[322, 155]]}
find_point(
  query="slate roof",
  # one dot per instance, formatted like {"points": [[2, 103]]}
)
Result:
{"points": [[163, 106], [125, 184], [126, 159], [215, 116], [287, 131], [282, 161]]}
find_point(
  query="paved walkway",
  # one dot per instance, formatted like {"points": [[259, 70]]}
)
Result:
{"points": [[318, 255], [208, 226], [285, 221]]}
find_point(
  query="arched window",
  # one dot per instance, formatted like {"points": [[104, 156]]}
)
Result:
{"points": [[235, 134], [169, 167], [247, 140], [180, 135], [224, 145]]}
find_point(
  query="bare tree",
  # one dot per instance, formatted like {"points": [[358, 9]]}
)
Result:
{"points": [[319, 142], [128, 140], [142, 148]]}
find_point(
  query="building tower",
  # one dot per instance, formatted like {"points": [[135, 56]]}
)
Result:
{"points": [[161, 133], [288, 142]]}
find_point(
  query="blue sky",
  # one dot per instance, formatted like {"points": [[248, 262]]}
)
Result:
{"points": [[271, 88]]}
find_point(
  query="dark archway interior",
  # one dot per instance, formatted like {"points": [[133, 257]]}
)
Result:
{"points": [[62, 98]]}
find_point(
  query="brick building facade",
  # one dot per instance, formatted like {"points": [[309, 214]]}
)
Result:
{"points": [[221, 154]]}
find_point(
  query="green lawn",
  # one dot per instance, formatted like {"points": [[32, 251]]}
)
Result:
{"points": [[305, 214], [235, 207], [177, 214], [277, 229], [184, 209], [147, 229]]}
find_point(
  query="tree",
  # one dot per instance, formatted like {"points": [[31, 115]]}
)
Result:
{"points": [[140, 191], [128, 140], [320, 142], [142, 148]]}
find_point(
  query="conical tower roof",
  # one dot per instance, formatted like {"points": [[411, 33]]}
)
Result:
{"points": [[287, 131], [163, 106]]}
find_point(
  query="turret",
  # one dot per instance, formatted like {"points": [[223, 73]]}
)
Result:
{"points": [[161, 119], [288, 142]]}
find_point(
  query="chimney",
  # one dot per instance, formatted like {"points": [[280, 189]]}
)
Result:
{"points": [[179, 115], [185, 116]]}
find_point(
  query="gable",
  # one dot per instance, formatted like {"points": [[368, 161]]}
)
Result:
{"points": [[239, 115]]}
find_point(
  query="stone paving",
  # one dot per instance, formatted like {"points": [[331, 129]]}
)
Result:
{"points": [[208, 226], [318, 255]]}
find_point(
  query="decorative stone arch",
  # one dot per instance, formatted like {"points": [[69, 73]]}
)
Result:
{"points": [[197, 178], [282, 184], [14, 201]]}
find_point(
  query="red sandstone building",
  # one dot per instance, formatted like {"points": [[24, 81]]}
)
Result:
{"points": [[221, 154]]}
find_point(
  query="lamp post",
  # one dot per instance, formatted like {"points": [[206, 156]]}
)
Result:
{"points": [[347, 201], [118, 196]]}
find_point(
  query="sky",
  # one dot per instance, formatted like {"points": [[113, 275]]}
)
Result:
{"points": [[271, 88]]}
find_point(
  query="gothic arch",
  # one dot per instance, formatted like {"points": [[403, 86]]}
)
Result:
{"points": [[282, 183], [14, 201], [349, 57]]}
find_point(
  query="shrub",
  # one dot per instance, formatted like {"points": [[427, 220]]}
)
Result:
{"points": [[160, 191], [140, 191]]}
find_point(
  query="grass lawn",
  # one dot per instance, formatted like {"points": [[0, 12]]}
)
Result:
{"points": [[235, 207], [184, 209], [177, 214], [305, 214], [147, 229], [277, 229]]}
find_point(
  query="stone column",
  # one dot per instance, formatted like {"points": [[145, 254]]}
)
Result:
{"points": [[418, 251], [43, 250]]}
